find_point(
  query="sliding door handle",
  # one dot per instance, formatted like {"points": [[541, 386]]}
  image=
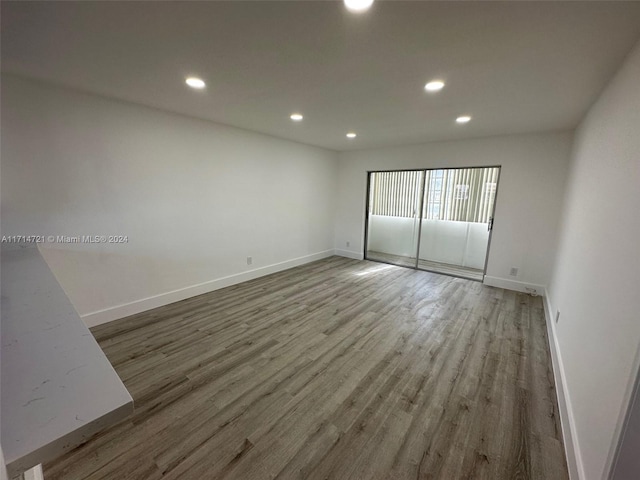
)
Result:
{"points": [[490, 224]]}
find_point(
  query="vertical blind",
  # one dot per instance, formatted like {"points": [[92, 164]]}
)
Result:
{"points": [[395, 194], [465, 194]]}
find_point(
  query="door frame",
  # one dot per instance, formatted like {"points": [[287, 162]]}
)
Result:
{"points": [[424, 179]]}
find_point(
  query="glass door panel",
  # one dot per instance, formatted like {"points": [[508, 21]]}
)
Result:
{"points": [[393, 217], [457, 218]]}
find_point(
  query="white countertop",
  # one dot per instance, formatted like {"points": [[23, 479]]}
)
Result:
{"points": [[58, 388]]}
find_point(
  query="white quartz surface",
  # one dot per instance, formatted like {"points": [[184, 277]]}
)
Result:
{"points": [[58, 388]]}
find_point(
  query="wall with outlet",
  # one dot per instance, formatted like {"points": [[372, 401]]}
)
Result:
{"points": [[532, 179], [194, 198], [596, 281]]}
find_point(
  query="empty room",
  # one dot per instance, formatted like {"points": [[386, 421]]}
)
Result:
{"points": [[320, 240]]}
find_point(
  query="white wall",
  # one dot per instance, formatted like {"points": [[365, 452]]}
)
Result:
{"points": [[394, 235], [195, 198], [596, 281], [527, 210], [457, 243]]}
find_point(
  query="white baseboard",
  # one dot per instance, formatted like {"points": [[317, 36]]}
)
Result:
{"points": [[120, 311], [34, 473], [349, 254], [514, 285], [574, 459]]}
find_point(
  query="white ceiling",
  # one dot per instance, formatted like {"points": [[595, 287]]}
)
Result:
{"points": [[515, 67]]}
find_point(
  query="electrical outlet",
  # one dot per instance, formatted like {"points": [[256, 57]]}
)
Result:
{"points": [[348, 244], [514, 271], [249, 260], [557, 316]]}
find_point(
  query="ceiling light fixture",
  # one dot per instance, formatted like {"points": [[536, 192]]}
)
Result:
{"points": [[351, 135], [463, 119], [358, 5], [434, 86], [296, 117], [195, 82]]}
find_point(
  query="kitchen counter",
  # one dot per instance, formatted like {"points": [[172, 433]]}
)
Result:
{"points": [[58, 388]]}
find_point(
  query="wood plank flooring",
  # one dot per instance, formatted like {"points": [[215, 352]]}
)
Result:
{"points": [[339, 369], [428, 265]]}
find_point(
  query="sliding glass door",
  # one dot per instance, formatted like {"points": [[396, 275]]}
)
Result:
{"points": [[438, 220], [393, 227]]}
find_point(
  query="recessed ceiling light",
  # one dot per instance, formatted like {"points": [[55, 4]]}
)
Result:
{"points": [[358, 5], [296, 117], [351, 135], [195, 82], [463, 119], [434, 86]]}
